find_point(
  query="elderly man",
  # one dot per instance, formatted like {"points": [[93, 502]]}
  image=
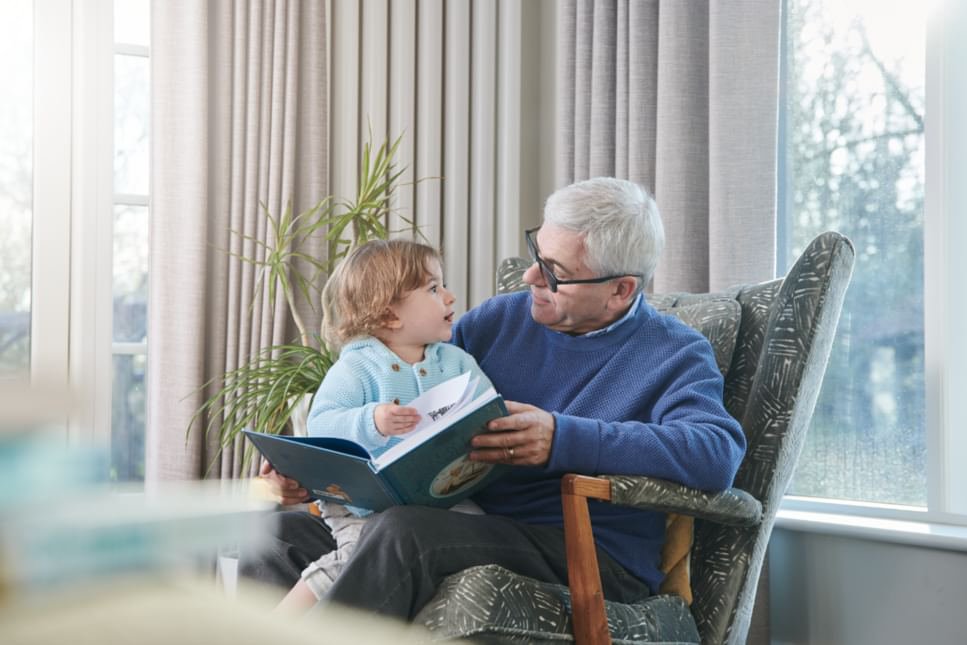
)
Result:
{"points": [[596, 381]]}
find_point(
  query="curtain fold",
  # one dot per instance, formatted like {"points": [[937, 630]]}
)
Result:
{"points": [[682, 97], [239, 111]]}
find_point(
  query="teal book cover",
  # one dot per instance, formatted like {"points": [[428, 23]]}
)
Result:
{"points": [[430, 466]]}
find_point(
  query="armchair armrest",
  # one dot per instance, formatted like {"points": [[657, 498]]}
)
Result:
{"points": [[733, 506]]}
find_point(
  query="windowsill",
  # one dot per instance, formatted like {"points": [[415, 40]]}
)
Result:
{"points": [[931, 535]]}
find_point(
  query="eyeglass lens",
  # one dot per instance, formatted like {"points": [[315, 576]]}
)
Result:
{"points": [[549, 276]]}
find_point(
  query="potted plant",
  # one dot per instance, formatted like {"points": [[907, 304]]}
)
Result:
{"points": [[275, 387]]}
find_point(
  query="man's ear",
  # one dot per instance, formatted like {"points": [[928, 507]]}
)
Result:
{"points": [[623, 290]]}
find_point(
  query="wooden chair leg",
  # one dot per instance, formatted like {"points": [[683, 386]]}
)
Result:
{"points": [[584, 579]]}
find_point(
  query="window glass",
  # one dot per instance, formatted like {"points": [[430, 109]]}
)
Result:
{"points": [[16, 186], [131, 122], [852, 159], [127, 418], [130, 241], [130, 273]]}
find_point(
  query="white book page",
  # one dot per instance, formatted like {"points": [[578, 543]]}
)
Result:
{"points": [[442, 399], [424, 432]]}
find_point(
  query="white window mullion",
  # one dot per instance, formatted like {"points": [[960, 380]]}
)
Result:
{"points": [[92, 232], [124, 199], [51, 195]]}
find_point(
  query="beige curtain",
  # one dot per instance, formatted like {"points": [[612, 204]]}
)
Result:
{"points": [[682, 97], [239, 119]]}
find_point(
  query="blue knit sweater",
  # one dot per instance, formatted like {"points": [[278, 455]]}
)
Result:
{"points": [[642, 399]]}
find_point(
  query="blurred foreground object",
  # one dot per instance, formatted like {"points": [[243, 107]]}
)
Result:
{"points": [[86, 562], [62, 524], [188, 610]]}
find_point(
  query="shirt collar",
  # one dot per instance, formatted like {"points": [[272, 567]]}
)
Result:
{"points": [[630, 313]]}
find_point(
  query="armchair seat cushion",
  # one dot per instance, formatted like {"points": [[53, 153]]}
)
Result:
{"points": [[490, 604]]}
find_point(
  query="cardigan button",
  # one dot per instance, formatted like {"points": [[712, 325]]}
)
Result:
{"points": [[395, 367], [422, 372]]}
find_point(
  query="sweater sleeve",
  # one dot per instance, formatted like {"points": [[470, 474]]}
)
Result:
{"points": [[341, 408], [688, 436]]}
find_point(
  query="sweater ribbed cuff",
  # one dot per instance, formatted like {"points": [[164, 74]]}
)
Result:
{"points": [[576, 445]]}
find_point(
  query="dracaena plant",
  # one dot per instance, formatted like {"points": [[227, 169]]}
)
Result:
{"points": [[264, 393]]}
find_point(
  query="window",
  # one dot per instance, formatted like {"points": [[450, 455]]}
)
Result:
{"points": [[74, 199], [869, 146], [16, 189], [853, 137]]}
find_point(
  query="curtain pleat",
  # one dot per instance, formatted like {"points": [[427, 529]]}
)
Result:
{"points": [[682, 97], [681, 150], [603, 81], [239, 102]]}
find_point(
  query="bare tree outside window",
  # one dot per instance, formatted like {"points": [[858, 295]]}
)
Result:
{"points": [[853, 151]]}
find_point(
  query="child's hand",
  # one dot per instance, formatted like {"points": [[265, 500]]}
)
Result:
{"points": [[394, 419]]}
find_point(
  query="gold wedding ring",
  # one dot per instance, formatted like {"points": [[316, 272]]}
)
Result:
{"points": [[510, 452]]}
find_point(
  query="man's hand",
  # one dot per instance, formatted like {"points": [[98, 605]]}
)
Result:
{"points": [[287, 490], [524, 438], [394, 419]]}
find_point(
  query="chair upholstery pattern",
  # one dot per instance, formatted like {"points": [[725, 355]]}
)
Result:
{"points": [[491, 604], [787, 332], [773, 376], [735, 507]]}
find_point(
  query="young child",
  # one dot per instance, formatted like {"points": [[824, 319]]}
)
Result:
{"points": [[387, 310]]}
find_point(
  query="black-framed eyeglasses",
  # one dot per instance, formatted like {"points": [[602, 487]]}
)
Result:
{"points": [[552, 280]]}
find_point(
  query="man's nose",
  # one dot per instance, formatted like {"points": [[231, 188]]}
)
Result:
{"points": [[534, 276]]}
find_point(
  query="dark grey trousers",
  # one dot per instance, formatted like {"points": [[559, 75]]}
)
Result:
{"points": [[294, 540], [405, 552]]}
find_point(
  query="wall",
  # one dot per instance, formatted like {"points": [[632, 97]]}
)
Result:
{"points": [[827, 589]]}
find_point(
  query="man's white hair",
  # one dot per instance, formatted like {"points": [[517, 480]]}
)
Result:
{"points": [[618, 220]]}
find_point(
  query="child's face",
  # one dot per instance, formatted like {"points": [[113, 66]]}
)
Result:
{"points": [[425, 315]]}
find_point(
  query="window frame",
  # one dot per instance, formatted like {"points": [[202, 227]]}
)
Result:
{"points": [[943, 522], [51, 202], [72, 346]]}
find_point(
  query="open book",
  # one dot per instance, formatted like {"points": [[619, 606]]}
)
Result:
{"points": [[428, 467]]}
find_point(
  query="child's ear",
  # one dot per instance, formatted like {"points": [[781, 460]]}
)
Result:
{"points": [[390, 320]]}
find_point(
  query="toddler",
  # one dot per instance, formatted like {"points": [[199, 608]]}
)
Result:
{"points": [[388, 312]]}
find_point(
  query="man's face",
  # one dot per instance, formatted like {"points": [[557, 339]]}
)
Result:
{"points": [[575, 308]]}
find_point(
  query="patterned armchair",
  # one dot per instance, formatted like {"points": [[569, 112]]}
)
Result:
{"points": [[772, 341]]}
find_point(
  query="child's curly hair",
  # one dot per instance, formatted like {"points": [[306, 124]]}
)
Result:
{"points": [[358, 293]]}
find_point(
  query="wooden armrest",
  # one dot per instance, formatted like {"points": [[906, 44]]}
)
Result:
{"points": [[583, 578], [733, 506]]}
